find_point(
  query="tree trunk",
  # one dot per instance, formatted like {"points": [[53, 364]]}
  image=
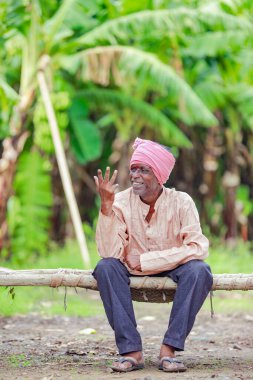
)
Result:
{"points": [[231, 180], [12, 146], [246, 211], [208, 188]]}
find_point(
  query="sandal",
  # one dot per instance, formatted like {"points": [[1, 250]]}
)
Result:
{"points": [[174, 365], [135, 365]]}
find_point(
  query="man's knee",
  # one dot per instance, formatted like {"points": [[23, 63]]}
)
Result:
{"points": [[106, 266], [200, 271]]}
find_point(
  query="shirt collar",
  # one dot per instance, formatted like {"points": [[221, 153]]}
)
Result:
{"points": [[145, 206]]}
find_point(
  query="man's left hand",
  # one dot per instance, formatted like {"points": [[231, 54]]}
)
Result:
{"points": [[133, 261]]}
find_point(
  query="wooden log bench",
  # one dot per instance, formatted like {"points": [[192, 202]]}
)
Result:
{"points": [[144, 289]]}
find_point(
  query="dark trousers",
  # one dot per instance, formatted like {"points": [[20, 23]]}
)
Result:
{"points": [[194, 281]]}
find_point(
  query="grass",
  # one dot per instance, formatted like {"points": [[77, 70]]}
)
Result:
{"points": [[231, 259], [60, 257], [18, 361], [230, 302], [48, 301]]}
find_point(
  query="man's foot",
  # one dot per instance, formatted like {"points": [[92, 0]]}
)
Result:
{"points": [[167, 350], [168, 364], [168, 361], [130, 362]]}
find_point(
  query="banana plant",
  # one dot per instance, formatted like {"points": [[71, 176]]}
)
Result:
{"points": [[112, 53], [223, 60]]}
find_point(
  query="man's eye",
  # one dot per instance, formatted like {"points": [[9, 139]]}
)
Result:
{"points": [[139, 170]]}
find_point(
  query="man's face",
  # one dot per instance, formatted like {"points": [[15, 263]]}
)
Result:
{"points": [[144, 182]]}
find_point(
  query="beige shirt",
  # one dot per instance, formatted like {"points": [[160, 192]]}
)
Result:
{"points": [[172, 237]]}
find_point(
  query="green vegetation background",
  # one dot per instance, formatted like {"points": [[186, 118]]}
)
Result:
{"points": [[203, 66]]}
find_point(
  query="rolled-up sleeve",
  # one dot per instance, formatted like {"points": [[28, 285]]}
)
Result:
{"points": [[111, 235], [194, 244]]}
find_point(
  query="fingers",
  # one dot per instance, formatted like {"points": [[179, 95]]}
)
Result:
{"points": [[96, 182], [100, 176], [106, 177], [107, 174], [112, 180]]}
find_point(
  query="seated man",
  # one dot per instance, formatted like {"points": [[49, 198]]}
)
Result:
{"points": [[149, 230]]}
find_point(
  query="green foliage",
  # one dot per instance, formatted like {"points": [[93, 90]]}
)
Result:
{"points": [[13, 16], [212, 92], [243, 198], [54, 24], [174, 63], [150, 71], [213, 44], [11, 292], [85, 138], [235, 7], [7, 91], [8, 96], [30, 209], [70, 19], [42, 133], [242, 95], [165, 79], [147, 114], [176, 20]]}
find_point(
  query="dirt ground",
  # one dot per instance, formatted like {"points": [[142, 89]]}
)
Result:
{"points": [[41, 348]]}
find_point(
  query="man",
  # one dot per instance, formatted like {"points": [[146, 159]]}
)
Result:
{"points": [[149, 230]]}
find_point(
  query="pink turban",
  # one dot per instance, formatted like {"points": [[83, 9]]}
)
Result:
{"points": [[154, 155]]}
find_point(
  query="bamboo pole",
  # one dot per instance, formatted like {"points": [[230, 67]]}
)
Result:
{"points": [[62, 163], [84, 279]]}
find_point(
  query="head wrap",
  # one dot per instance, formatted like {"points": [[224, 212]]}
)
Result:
{"points": [[154, 155]]}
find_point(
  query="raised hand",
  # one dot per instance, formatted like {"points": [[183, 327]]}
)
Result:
{"points": [[106, 188]]}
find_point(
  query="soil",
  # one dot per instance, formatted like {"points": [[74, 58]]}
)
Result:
{"points": [[34, 347]]}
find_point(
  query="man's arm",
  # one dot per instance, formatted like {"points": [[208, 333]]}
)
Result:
{"points": [[111, 234], [194, 244]]}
